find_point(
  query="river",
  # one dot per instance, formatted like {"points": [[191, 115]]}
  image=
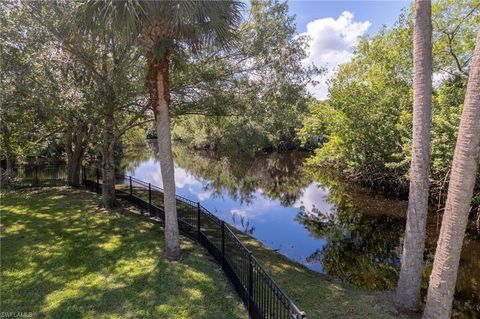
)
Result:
{"points": [[314, 218]]}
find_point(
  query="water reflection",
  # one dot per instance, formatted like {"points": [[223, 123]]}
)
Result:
{"points": [[239, 218], [315, 219]]}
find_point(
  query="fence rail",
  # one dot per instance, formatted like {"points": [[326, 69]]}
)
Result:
{"points": [[261, 295], [32, 175]]}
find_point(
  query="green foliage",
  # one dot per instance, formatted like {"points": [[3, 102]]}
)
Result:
{"points": [[364, 127], [27, 99], [366, 115], [447, 109], [455, 26], [97, 81], [252, 94], [56, 80]]}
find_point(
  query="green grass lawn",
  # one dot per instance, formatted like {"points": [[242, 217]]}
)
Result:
{"points": [[62, 257]]}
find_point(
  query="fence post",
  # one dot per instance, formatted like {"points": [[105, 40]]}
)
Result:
{"points": [[131, 190], [223, 243], [36, 175], [97, 185], [250, 283], [150, 198], [198, 221]]}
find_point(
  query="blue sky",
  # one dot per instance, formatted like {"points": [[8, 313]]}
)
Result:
{"points": [[334, 28], [377, 12]]}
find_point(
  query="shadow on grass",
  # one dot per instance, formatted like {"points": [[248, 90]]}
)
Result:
{"points": [[63, 258]]}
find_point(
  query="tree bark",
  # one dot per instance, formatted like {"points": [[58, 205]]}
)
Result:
{"points": [[460, 191], [75, 148], [7, 149], [408, 291], [69, 150], [9, 165], [108, 164], [160, 96], [73, 172]]}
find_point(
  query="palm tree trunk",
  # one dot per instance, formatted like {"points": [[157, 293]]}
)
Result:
{"points": [[408, 291], [160, 96], [108, 164], [464, 169]]}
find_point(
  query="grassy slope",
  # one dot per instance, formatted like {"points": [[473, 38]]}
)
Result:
{"points": [[63, 258], [318, 295]]}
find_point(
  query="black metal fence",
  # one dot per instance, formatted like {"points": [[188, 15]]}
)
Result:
{"points": [[36, 176], [259, 292]]}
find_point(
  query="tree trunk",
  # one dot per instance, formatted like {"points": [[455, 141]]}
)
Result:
{"points": [[69, 150], [75, 149], [460, 191], [408, 291], [9, 165], [160, 96], [108, 164], [74, 172], [7, 148]]}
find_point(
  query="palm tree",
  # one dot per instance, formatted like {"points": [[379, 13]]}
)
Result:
{"points": [[464, 169], [408, 291], [161, 28]]}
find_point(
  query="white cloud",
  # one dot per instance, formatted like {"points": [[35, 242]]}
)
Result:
{"points": [[262, 205], [315, 197], [154, 174], [203, 195], [183, 178], [331, 44]]}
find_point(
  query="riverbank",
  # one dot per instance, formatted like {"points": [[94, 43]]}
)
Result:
{"points": [[59, 230], [63, 257], [320, 296]]}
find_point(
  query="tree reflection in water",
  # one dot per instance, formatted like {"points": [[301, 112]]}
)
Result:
{"points": [[360, 249], [280, 176], [246, 227], [363, 243]]}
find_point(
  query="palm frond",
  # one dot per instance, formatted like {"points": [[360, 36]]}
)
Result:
{"points": [[194, 22], [126, 17], [200, 22]]}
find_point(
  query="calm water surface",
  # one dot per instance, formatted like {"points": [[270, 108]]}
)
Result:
{"points": [[313, 218]]}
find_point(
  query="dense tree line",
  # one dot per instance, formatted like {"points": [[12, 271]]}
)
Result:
{"points": [[266, 84]]}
